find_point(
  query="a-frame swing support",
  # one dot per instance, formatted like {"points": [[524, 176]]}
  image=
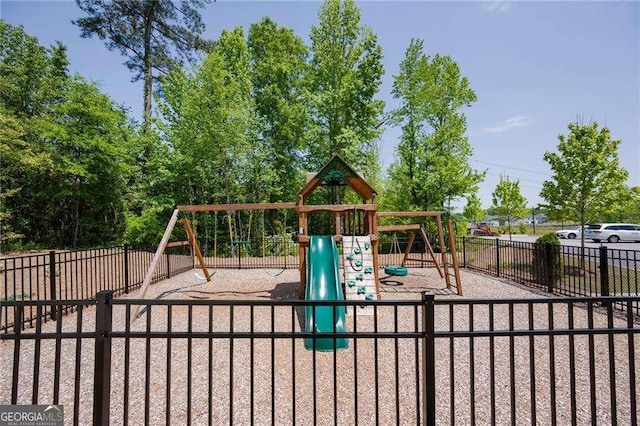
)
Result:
{"points": [[444, 272], [160, 251]]}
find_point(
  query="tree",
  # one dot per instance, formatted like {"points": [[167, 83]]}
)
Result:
{"points": [[62, 148], [626, 208], [278, 68], [473, 211], [209, 123], [33, 82], [587, 178], [144, 32], [432, 155], [89, 135], [508, 203], [344, 78]]}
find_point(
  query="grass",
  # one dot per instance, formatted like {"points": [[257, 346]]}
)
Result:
{"points": [[15, 297]]}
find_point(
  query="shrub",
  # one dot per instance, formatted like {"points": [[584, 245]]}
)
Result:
{"points": [[547, 261]]}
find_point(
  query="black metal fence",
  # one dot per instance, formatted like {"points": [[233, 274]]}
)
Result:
{"points": [[563, 270], [80, 274], [445, 361]]}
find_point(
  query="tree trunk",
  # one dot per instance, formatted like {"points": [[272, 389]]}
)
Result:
{"points": [[148, 70], [76, 224]]}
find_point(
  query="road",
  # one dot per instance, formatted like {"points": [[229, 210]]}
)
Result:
{"points": [[620, 254]]}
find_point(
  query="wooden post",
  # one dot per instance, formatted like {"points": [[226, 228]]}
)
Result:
{"points": [[442, 251], [302, 241], [433, 255], [454, 257], [408, 250], [156, 258], [372, 227], [196, 248]]}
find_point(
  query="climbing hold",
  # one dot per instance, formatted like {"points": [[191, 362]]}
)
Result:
{"points": [[369, 297], [366, 246], [360, 277], [368, 270], [349, 257], [357, 250], [362, 290], [358, 263], [351, 283]]}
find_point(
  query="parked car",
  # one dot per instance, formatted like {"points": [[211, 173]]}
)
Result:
{"points": [[612, 232], [569, 233]]}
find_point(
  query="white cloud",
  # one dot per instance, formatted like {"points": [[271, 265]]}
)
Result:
{"points": [[498, 6], [509, 123]]}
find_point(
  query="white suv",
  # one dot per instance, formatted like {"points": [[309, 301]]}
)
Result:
{"points": [[612, 232]]}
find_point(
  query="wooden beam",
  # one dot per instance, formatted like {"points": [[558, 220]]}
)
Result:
{"points": [[431, 253], [178, 244], [154, 261], [387, 228], [454, 257], [409, 214], [246, 206], [196, 248], [337, 207], [443, 258]]}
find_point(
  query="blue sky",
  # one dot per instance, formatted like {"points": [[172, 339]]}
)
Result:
{"points": [[535, 67]]}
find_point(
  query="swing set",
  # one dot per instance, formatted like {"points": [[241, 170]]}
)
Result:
{"points": [[334, 172], [429, 256]]}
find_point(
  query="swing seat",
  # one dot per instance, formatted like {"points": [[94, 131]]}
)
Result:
{"points": [[395, 270]]}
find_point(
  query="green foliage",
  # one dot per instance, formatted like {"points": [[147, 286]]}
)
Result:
{"points": [[432, 167], [210, 127], [587, 178], [154, 35], [550, 238], [547, 259], [148, 228], [278, 66], [473, 210], [344, 77], [64, 147], [626, 207], [508, 203]]}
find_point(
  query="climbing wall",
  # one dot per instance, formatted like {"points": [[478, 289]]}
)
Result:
{"points": [[360, 282]]}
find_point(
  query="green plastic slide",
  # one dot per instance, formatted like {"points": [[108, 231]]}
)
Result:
{"points": [[323, 283]]}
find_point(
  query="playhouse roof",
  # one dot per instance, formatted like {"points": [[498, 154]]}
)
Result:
{"points": [[337, 172]]}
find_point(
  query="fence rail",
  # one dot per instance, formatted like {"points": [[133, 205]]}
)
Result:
{"points": [[562, 270], [445, 361], [80, 274]]}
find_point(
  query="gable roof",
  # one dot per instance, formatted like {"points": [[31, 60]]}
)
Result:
{"points": [[337, 172]]}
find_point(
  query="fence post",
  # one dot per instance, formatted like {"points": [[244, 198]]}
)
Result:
{"points": [[604, 271], [52, 282], [428, 359], [549, 266], [102, 369], [168, 266], [464, 251], [498, 257], [126, 268]]}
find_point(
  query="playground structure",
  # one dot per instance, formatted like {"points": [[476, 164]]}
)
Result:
{"points": [[355, 226]]}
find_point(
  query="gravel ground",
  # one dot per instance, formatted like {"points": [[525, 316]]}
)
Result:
{"points": [[266, 381]]}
